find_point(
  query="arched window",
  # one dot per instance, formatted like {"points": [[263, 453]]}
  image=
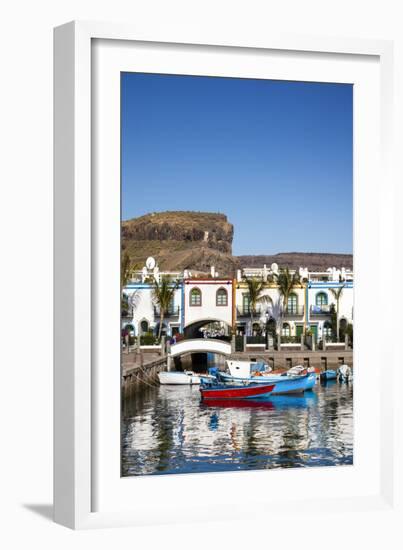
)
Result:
{"points": [[144, 326], [321, 299], [195, 297], [221, 297], [292, 304], [286, 330]]}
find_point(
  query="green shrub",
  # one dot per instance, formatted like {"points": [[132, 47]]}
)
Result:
{"points": [[148, 339]]}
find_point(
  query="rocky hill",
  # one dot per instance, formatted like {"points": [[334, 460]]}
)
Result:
{"points": [[198, 240], [181, 240]]}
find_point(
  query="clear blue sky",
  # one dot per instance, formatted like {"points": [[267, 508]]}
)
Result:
{"points": [[275, 156]]}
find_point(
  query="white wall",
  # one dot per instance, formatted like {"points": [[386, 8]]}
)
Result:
{"points": [[345, 304], [208, 309], [144, 308]]}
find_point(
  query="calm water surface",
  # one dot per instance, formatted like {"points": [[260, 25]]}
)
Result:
{"points": [[168, 430]]}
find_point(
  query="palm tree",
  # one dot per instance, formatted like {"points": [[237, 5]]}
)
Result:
{"points": [[286, 282], [256, 296], [163, 293], [337, 293], [125, 269]]}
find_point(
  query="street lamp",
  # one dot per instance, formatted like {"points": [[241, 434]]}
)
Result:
{"points": [[267, 329]]}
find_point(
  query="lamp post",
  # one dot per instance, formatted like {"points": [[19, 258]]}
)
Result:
{"points": [[267, 329]]}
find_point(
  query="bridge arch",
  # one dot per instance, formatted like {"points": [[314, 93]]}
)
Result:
{"points": [[200, 345], [191, 329]]}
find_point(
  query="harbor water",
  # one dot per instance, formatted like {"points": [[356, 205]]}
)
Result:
{"points": [[169, 430]]}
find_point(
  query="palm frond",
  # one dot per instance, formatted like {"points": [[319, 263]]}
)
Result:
{"points": [[337, 292]]}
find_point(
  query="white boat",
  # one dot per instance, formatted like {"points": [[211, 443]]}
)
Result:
{"points": [[297, 370], [344, 373], [245, 369], [179, 378]]}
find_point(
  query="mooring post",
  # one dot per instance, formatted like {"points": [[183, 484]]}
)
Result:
{"points": [[346, 342], [302, 342], [162, 345], [233, 343], [169, 362]]}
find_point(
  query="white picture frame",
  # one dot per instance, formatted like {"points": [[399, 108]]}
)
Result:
{"points": [[87, 492]]}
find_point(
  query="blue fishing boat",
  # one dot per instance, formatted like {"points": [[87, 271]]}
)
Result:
{"points": [[328, 375], [296, 380], [283, 384]]}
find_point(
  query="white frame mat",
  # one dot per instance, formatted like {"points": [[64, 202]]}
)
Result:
{"points": [[88, 490]]}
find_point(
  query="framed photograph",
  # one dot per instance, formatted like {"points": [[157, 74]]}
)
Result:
{"points": [[223, 210]]}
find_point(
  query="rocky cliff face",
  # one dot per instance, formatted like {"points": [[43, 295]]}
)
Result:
{"points": [[201, 228], [181, 240]]}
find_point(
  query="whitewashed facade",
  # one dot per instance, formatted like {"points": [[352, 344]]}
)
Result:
{"points": [[144, 316], [200, 301], [208, 299]]}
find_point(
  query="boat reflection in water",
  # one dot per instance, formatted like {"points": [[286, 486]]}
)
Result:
{"points": [[238, 404], [270, 403], [169, 430]]}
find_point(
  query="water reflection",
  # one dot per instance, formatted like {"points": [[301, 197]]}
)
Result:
{"points": [[169, 430]]}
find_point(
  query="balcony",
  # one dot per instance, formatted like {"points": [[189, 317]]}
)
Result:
{"points": [[245, 311], [171, 312], [295, 311], [320, 311]]}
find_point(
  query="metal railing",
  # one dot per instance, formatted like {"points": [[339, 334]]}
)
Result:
{"points": [[290, 339], [172, 312], [320, 310], [256, 339], [246, 311], [127, 313], [295, 311], [330, 338]]}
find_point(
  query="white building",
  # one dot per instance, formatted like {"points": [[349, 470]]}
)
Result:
{"points": [[144, 314], [207, 300], [216, 302]]}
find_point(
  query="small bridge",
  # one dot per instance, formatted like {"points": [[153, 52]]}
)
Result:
{"points": [[200, 345]]}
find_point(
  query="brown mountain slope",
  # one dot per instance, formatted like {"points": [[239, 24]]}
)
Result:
{"points": [[314, 261], [181, 240], [199, 240]]}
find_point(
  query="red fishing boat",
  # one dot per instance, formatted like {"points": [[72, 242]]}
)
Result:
{"points": [[222, 391]]}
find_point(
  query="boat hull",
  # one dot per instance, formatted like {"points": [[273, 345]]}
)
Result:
{"points": [[178, 378], [328, 375], [237, 392], [283, 384]]}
